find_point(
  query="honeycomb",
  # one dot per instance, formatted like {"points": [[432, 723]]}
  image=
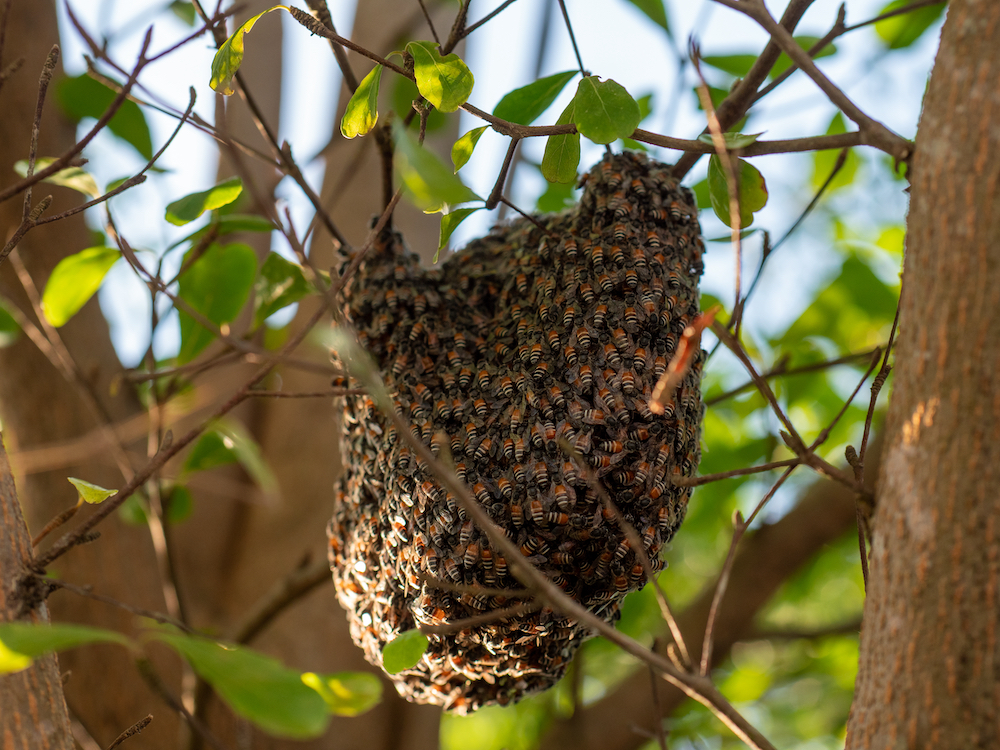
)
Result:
{"points": [[536, 334]]}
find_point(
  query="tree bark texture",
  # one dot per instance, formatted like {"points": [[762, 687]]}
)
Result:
{"points": [[929, 673], [32, 707]]}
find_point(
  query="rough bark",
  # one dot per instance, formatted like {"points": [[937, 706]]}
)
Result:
{"points": [[32, 707], [929, 665], [763, 563]]}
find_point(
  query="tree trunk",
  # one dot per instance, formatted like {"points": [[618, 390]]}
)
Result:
{"points": [[32, 707], [929, 667]]}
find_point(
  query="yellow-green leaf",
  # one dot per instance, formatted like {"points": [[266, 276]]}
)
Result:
{"points": [[526, 104], [74, 280], [446, 82], [752, 190], [461, 152], [428, 182], [20, 642], [404, 651], [605, 111], [190, 207], [90, 493], [71, 177], [228, 59], [362, 110], [346, 693], [449, 222]]}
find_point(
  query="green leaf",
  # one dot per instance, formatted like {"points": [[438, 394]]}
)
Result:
{"points": [[71, 177], [280, 284], [449, 222], [227, 442], [9, 329], [701, 194], [74, 280], [404, 651], [20, 642], [903, 30], [824, 161], [362, 110], [190, 207], [255, 686], [184, 11], [446, 82], [462, 150], [525, 105], [90, 493], [557, 196], [562, 152], [784, 62], [605, 111], [427, 181], [229, 224], [656, 12], [753, 191], [228, 59], [217, 285], [133, 511], [346, 693], [178, 504], [83, 96], [732, 140]]}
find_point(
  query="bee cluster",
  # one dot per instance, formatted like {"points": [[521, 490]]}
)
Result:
{"points": [[533, 335]]}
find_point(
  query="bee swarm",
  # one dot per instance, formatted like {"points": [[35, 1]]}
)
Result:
{"points": [[525, 337]]}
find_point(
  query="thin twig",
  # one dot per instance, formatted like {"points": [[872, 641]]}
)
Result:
{"points": [[456, 626], [132, 731], [572, 36]]}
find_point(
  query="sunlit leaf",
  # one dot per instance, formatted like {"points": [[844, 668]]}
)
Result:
{"points": [[525, 105], [20, 642], [90, 493], [604, 110], [133, 511], [228, 442], [562, 152], [427, 181], [190, 207], [280, 284], [71, 177], [346, 693], [404, 93], [223, 224], [461, 150], [656, 12], [824, 161], [449, 222], [74, 280], [362, 110], [404, 651], [228, 59], [752, 190], [255, 686], [905, 29], [217, 285], [178, 504], [9, 329], [446, 82], [83, 96]]}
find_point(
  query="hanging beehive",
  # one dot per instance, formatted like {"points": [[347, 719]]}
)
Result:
{"points": [[525, 337]]}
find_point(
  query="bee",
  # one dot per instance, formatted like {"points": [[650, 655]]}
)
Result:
{"points": [[639, 188], [620, 339], [464, 377], [516, 418], [571, 356], [508, 449], [517, 515], [639, 258], [460, 341], [505, 388], [391, 299], [640, 360], [662, 455], [570, 473], [557, 518], [677, 211], [520, 473], [600, 315], [541, 475], [599, 462], [569, 247], [603, 563], [533, 546], [436, 534], [481, 492], [457, 409], [561, 558], [583, 337], [597, 256], [561, 494], [624, 547], [586, 292], [448, 381], [605, 282], [628, 382], [621, 584], [483, 379], [586, 376], [451, 569], [438, 442], [631, 278], [456, 445], [471, 431], [617, 253], [624, 477], [541, 371], [534, 354], [483, 451], [610, 446], [659, 215], [479, 407], [537, 436], [620, 233], [417, 331], [631, 316], [593, 416], [653, 239], [521, 282], [659, 365], [519, 448], [611, 355], [516, 312], [502, 351], [536, 511], [505, 487], [556, 394], [432, 562], [553, 339], [501, 566]]}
